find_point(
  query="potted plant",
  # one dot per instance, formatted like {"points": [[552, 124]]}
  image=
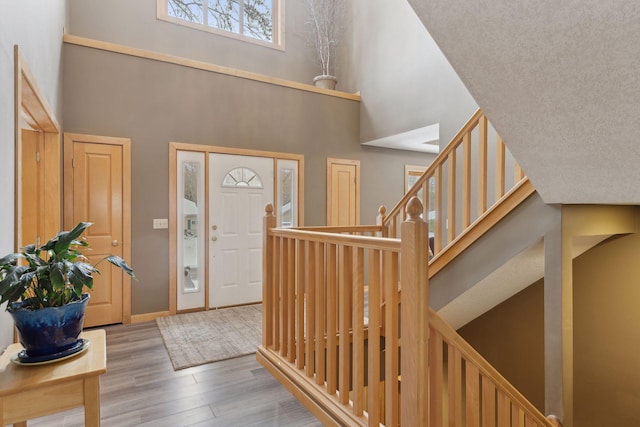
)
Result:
{"points": [[44, 293], [324, 31]]}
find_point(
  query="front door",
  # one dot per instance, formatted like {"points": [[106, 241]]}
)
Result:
{"points": [[239, 187], [95, 178]]}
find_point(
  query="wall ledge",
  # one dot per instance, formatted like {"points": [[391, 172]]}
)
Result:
{"points": [[205, 66]]}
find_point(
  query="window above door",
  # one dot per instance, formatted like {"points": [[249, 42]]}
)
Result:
{"points": [[256, 21]]}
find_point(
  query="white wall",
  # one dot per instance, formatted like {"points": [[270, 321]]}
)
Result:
{"points": [[405, 80], [37, 27]]}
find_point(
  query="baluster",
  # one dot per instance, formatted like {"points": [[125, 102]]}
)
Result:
{"points": [[472, 395], [268, 282], [518, 173], [504, 410], [374, 377], [466, 180], [454, 380], [320, 312], [439, 223], [391, 362], [500, 168], [345, 272], [488, 402], [332, 303], [309, 293], [358, 331], [436, 383], [291, 300], [277, 292], [300, 285], [284, 314], [482, 165], [451, 196]]}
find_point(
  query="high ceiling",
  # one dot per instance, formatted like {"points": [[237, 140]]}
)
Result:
{"points": [[560, 81]]}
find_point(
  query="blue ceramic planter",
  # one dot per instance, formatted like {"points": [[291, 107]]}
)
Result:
{"points": [[49, 330]]}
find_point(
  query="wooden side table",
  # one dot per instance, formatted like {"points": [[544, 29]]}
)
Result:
{"points": [[34, 391]]}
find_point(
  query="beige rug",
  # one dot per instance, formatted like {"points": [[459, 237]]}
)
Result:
{"points": [[209, 336]]}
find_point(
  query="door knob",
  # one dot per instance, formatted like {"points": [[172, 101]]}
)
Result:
{"points": [[214, 238], [114, 243]]}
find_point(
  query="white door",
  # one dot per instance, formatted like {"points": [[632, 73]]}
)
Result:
{"points": [[239, 188]]}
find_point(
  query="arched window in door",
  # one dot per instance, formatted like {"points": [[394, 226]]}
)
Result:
{"points": [[242, 177]]}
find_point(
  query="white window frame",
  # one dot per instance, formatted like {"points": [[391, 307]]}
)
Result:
{"points": [[277, 16]]}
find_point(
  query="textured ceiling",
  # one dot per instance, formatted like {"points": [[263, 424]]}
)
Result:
{"points": [[560, 81]]}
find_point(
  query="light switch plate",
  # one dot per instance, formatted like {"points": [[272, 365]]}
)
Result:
{"points": [[160, 223]]}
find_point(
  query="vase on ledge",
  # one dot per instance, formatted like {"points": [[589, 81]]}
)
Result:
{"points": [[325, 81]]}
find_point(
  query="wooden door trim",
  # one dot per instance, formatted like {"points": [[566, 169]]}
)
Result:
{"points": [[31, 106], [334, 161], [174, 147], [125, 143]]}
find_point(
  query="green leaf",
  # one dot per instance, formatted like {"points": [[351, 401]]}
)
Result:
{"points": [[119, 262], [83, 272], [57, 276]]}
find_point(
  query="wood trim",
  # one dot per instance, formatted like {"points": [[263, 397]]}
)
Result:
{"points": [[52, 184], [173, 234], [204, 66], [125, 143], [232, 150], [30, 104], [148, 317], [126, 228]]}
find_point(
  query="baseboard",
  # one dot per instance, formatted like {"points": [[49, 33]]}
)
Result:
{"points": [[148, 317]]}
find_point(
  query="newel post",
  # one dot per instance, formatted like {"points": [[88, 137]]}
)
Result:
{"points": [[268, 272], [381, 218], [414, 308]]}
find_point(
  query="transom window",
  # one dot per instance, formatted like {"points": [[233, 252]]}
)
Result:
{"points": [[254, 20]]}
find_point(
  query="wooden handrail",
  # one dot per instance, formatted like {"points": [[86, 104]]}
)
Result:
{"points": [[486, 374], [461, 163], [332, 301]]}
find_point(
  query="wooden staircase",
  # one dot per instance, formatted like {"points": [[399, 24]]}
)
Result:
{"points": [[334, 297]]}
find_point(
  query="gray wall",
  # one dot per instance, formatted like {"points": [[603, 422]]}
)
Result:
{"points": [[36, 26], [135, 24], [154, 103], [386, 54], [405, 80]]}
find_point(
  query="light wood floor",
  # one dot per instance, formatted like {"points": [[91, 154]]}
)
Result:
{"points": [[141, 388]]}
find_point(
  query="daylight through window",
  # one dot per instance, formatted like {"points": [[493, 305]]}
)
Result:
{"points": [[253, 19]]}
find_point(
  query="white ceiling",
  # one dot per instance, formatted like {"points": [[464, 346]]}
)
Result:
{"points": [[425, 139], [560, 81]]}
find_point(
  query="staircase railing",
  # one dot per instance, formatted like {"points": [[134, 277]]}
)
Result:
{"points": [[332, 304], [465, 191]]}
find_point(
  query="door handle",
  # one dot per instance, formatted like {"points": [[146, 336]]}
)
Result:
{"points": [[114, 243], [214, 238]]}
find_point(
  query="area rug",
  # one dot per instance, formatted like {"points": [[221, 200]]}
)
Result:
{"points": [[209, 336]]}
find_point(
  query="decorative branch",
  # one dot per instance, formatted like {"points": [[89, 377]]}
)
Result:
{"points": [[324, 24]]}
